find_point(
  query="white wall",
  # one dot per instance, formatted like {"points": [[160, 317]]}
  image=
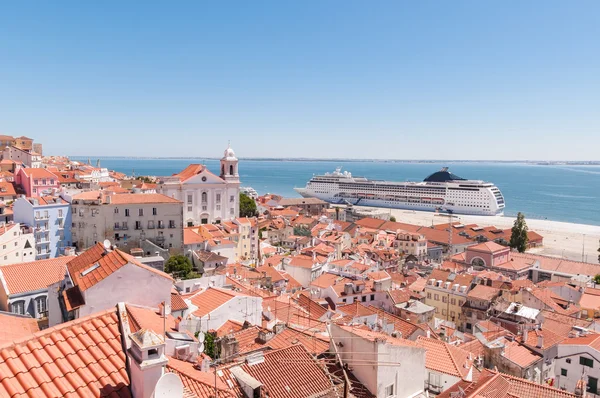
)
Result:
{"points": [[408, 376], [129, 284], [301, 274], [574, 369], [200, 283], [239, 308]]}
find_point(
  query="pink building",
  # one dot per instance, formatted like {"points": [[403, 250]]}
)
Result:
{"points": [[36, 181], [487, 254]]}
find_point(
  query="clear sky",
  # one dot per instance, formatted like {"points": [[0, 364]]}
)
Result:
{"points": [[361, 79]]}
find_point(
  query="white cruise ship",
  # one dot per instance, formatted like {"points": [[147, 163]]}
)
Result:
{"points": [[441, 191]]}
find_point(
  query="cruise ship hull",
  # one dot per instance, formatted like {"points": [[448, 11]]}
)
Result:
{"points": [[402, 206], [440, 192]]}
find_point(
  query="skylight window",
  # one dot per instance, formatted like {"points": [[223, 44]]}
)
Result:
{"points": [[93, 267]]}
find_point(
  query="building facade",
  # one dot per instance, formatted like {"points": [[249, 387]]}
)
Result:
{"points": [[16, 244], [36, 181], [207, 198], [50, 218], [127, 220]]}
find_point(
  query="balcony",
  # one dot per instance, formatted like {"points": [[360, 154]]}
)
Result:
{"points": [[60, 216], [42, 217], [43, 241], [160, 238]]}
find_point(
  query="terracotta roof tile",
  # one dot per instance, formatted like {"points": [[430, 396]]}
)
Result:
{"points": [[211, 299], [177, 302], [356, 309], [36, 275], [78, 358], [15, 327], [95, 264], [483, 292], [444, 358], [229, 327], [39, 173], [284, 373]]}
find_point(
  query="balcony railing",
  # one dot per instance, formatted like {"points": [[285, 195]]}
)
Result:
{"points": [[43, 241], [42, 217]]}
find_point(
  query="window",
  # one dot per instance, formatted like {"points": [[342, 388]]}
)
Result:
{"points": [[138, 225], [40, 307], [592, 385], [190, 199], [60, 212], [443, 312], [568, 360], [141, 212], [204, 221], [124, 225], [364, 299], [151, 224], [189, 208], [161, 224], [218, 198], [232, 198], [372, 297], [428, 295], [18, 308], [37, 214], [563, 372], [443, 299], [126, 212], [204, 197], [218, 207], [389, 391], [453, 301], [154, 212], [586, 362], [171, 224], [436, 297]]}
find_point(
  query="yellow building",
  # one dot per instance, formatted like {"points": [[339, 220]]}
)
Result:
{"points": [[447, 292]]}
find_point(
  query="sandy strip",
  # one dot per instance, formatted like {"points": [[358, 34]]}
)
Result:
{"points": [[561, 239]]}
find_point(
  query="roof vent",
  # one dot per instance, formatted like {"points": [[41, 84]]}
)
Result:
{"points": [[93, 267]]}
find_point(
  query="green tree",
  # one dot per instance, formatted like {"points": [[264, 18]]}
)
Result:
{"points": [[392, 219], [179, 265], [247, 206], [597, 279], [145, 179], [518, 237], [209, 345]]}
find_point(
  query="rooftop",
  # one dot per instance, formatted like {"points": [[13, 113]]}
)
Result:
{"points": [[36, 275]]}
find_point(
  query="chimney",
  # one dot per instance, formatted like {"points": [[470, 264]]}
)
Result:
{"points": [[348, 289], [147, 359], [229, 348], [250, 386], [525, 335], [540, 341], [264, 336]]}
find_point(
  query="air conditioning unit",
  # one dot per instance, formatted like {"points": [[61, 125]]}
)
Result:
{"points": [[182, 352]]}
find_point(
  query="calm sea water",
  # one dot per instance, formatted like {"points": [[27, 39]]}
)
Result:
{"points": [[560, 193]]}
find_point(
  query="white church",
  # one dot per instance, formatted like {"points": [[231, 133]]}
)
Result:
{"points": [[207, 198]]}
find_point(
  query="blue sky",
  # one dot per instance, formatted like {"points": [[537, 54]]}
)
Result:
{"points": [[397, 79]]}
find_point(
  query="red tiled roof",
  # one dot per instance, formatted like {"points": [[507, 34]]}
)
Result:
{"points": [[229, 327], [7, 189], [489, 247], [301, 261], [16, 327], [445, 358], [211, 299], [483, 292], [177, 302], [519, 354], [81, 358], [95, 264], [284, 373], [356, 309], [189, 172], [191, 237], [39, 173], [36, 275], [198, 384]]}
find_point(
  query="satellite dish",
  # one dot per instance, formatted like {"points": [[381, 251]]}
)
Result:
{"points": [[201, 337], [201, 348], [106, 244], [169, 386]]}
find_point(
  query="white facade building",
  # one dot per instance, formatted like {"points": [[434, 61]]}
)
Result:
{"points": [[16, 244], [578, 358], [386, 366], [207, 198]]}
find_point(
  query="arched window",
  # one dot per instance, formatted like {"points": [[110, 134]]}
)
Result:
{"points": [[40, 307], [231, 170], [18, 307], [478, 262], [222, 169], [204, 197]]}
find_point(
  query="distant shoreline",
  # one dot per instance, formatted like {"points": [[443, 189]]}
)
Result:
{"points": [[425, 161]]}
